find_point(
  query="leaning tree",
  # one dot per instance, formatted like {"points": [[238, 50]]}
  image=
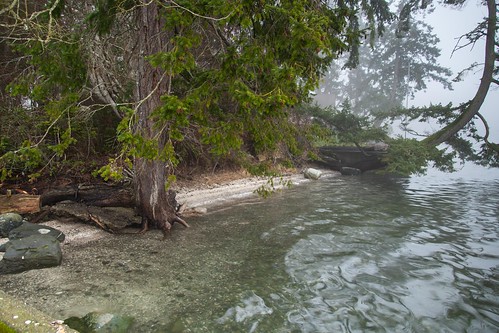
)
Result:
{"points": [[459, 124], [463, 128]]}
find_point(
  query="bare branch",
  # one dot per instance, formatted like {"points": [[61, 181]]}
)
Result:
{"points": [[473, 36], [486, 125], [491, 145]]}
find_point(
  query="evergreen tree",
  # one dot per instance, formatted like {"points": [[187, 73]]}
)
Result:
{"points": [[397, 65]]}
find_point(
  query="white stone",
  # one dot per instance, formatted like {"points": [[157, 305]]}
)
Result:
{"points": [[311, 173], [43, 231]]}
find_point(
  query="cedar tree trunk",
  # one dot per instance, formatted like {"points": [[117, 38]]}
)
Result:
{"points": [[156, 205]]}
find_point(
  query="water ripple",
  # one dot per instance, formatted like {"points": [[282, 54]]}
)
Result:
{"points": [[415, 265]]}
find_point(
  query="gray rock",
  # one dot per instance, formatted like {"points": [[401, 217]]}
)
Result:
{"points": [[115, 218], [27, 229], [311, 173], [9, 221], [100, 323], [32, 252], [347, 171], [112, 218]]}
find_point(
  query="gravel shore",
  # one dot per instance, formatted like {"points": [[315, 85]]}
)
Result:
{"points": [[199, 196]]}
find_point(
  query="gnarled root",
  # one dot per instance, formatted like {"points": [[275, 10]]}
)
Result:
{"points": [[180, 220], [167, 226]]}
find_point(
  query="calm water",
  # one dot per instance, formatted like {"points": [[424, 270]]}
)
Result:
{"points": [[345, 254]]}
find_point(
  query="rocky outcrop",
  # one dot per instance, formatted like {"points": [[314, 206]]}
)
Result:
{"points": [[347, 171], [363, 159]]}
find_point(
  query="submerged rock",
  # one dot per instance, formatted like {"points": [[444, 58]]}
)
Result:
{"points": [[32, 252], [8, 222], [96, 322], [21, 317]]}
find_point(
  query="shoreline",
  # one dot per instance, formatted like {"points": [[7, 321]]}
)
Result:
{"points": [[200, 196], [195, 196], [214, 196]]}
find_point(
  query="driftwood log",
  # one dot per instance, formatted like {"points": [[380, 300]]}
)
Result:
{"points": [[20, 203], [100, 195], [110, 207]]}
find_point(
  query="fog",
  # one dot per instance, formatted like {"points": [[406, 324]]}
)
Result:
{"points": [[450, 23]]}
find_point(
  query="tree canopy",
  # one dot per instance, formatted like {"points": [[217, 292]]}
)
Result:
{"points": [[199, 82]]}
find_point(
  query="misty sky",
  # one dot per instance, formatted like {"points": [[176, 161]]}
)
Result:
{"points": [[449, 24]]}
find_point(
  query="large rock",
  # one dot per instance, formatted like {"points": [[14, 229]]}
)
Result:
{"points": [[97, 322], [27, 229], [32, 252], [311, 173], [8, 222]]}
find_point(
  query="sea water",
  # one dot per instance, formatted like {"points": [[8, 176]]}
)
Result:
{"points": [[373, 253]]}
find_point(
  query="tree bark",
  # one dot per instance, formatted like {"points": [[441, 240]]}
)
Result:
{"points": [[472, 110], [156, 205]]}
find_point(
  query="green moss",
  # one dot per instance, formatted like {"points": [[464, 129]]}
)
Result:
{"points": [[4, 328]]}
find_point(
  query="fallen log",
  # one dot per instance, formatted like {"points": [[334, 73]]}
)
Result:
{"points": [[100, 195], [20, 203]]}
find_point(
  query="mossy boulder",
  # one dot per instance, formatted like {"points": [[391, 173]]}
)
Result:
{"points": [[27, 229]]}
